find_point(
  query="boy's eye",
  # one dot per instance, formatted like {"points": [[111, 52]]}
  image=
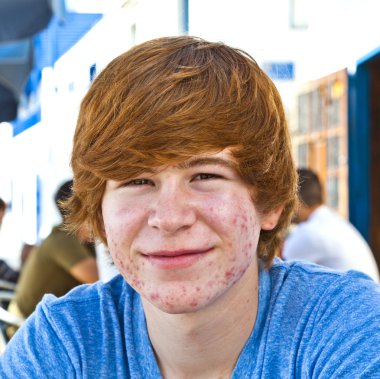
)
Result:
{"points": [[138, 182], [205, 176]]}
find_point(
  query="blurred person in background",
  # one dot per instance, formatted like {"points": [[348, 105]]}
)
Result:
{"points": [[26, 250], [324, 237], [61, 262], [7, 273], [3, 207]]}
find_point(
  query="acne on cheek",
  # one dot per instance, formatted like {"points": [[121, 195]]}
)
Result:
{"points": [[234, 273], [244, 218], [154, 296], [120, 264], [229, 274], [233, 259], [248, 249], [231, 277], [123, 263], [168, 304], [183, 290], [135, 283], [244, 228], [247, 224]]}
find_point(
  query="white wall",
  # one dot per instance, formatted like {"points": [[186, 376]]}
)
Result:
{"points": [[339, 33]]}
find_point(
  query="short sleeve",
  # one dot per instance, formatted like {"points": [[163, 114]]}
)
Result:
{"points": [[345, 337], [35, 351], [68, 252]]}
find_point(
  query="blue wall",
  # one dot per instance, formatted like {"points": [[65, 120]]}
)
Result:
{"points": [[359, 147]]}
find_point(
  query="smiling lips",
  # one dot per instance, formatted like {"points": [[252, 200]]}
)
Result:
{"points": [[176, 258]]}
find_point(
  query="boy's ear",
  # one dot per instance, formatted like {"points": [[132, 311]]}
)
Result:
{"points": [[270, 219]]}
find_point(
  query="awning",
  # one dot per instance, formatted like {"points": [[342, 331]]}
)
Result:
{"points": [[46, 48], [20, 22], [8, 105], [16, 63], [20, 19]]}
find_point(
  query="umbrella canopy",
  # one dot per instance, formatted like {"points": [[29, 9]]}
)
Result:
{"points": [[33, 35], [21, 19], [16, 63]]}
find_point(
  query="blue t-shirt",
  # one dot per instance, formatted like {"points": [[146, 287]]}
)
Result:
{"points": [[311, 323]]}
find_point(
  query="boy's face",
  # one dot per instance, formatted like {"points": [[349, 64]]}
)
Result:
{"points": [[183, 235]]}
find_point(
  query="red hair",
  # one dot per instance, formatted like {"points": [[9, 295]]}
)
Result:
{"points": [[169, 99]]}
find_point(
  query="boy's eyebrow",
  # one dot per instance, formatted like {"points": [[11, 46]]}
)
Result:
{"points": [[204, 161], [194, 162]]}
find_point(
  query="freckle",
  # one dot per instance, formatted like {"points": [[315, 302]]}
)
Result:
{"points": [[209, 264], [234, 221]]}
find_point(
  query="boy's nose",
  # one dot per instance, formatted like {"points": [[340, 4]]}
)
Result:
{"points": [[171, 211]]}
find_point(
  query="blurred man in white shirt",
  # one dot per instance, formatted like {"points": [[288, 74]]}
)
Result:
{"points": [[324, 237]]}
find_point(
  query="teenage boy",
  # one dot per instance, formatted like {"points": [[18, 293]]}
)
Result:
{"points": [[182, 164]]}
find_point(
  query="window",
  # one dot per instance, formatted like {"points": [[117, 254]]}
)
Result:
{"points": [[316, 111], [335, 93], [333, 152], [302, 155], [333, 113], [303, 113], [332, 192]]}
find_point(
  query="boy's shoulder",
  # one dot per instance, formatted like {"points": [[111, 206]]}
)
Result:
{"points": [[313, 281], [85, 295]]}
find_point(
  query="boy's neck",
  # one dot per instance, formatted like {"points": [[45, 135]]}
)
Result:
{"points": [[206, 343]]}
